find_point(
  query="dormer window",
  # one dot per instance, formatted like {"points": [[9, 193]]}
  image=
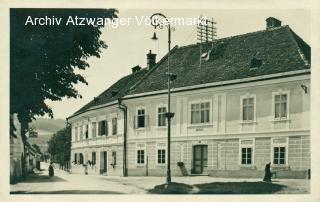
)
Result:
{"points": [[255, 62]]}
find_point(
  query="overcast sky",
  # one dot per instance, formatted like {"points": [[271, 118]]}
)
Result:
{"points": [[128, 45]]}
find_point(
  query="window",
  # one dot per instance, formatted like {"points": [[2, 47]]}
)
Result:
{"points": [[75, 158], [76, 133], [248, 109], [114, 158], [81, 158], [140, 156], [141, 118], [94, 129], [246, 154], [86, 132], [81, 132], [162, 116], [103, 127], [161, 156], [200, 113], [93, 158], [114, 126], [279, 154], [280, 106]]}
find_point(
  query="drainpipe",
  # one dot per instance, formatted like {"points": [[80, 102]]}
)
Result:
{"points": [[124, 109]]}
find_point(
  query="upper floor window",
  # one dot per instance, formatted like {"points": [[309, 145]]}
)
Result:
{"points": [[103, 128], [94, 129], [248, 109], [76, 133], [86, 132], [81, 132], [114, 125], [200, 113], [162, 116], [280, 106], [141, 118]]}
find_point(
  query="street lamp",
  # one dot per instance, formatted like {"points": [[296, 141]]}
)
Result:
{"points": [[157, 23]]}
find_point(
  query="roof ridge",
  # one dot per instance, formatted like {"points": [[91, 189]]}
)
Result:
{"points": [[236, 36], [302, 54]]}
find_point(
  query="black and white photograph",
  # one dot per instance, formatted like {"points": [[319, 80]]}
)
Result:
{"points": [[109, 100]]}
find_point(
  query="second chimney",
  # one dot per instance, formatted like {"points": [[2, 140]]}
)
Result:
{"points": [[273, 22], [151, 59]]}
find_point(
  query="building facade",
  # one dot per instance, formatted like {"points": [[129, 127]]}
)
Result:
{"points": [[245, 104]]}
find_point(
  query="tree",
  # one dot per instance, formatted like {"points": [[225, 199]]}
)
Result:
{"points": [[44, 59], [59, 146]]}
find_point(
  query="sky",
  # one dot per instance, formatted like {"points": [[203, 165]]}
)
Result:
{"points": [[129, 44]]}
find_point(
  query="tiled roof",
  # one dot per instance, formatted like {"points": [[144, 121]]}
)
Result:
{"points": [[279, 50], [117, 90]]}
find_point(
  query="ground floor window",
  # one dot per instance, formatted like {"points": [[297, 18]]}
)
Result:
{"points": [[75, 158], [81, 158], [114, 158], [140, 156], [161, 156], [246, 156], [279, 154], [93, 158]]}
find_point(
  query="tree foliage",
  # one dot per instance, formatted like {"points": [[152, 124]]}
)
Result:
{"points": [[59, 146], [44, 59]]}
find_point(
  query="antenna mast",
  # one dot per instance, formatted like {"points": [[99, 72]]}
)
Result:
{"points": [[206, 32]]}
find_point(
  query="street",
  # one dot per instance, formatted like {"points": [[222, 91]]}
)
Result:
{"points": [[65, 183]]}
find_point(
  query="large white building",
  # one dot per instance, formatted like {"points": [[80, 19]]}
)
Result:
{"points": [[247, 104]]}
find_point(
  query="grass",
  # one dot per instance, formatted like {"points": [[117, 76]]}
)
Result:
{"points": [[218, 188]]}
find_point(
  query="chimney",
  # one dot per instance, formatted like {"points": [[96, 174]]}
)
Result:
{"points": [[135, 69], [151, 59], [273, 22]]}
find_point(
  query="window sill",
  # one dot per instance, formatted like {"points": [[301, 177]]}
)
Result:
{"points": [[247, 167], [200, 125], [248, 122], [280, 167], [161, 127], [280, 120], [141, 129]]}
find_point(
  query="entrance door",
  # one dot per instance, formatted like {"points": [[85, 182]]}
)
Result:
{"points": [[200, 158], [103, 162]]}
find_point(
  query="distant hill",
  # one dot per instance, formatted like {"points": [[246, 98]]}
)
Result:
{"points": [[48, 126], [45, 128]]}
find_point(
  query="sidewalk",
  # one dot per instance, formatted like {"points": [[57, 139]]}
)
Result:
{"points": [[65, 183]]}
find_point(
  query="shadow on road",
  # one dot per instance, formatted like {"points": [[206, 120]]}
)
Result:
{"points": [[36, 178], [68, 192], [218, 188]]}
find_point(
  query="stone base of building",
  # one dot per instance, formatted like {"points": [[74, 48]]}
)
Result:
{"points": [[288, 174]]}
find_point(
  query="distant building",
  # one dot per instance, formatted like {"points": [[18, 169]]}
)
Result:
{"points": [[23, 157], [247, 104], [16, 152]]}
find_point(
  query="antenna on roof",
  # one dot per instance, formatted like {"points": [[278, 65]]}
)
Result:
{"points": [[206, 32]]}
